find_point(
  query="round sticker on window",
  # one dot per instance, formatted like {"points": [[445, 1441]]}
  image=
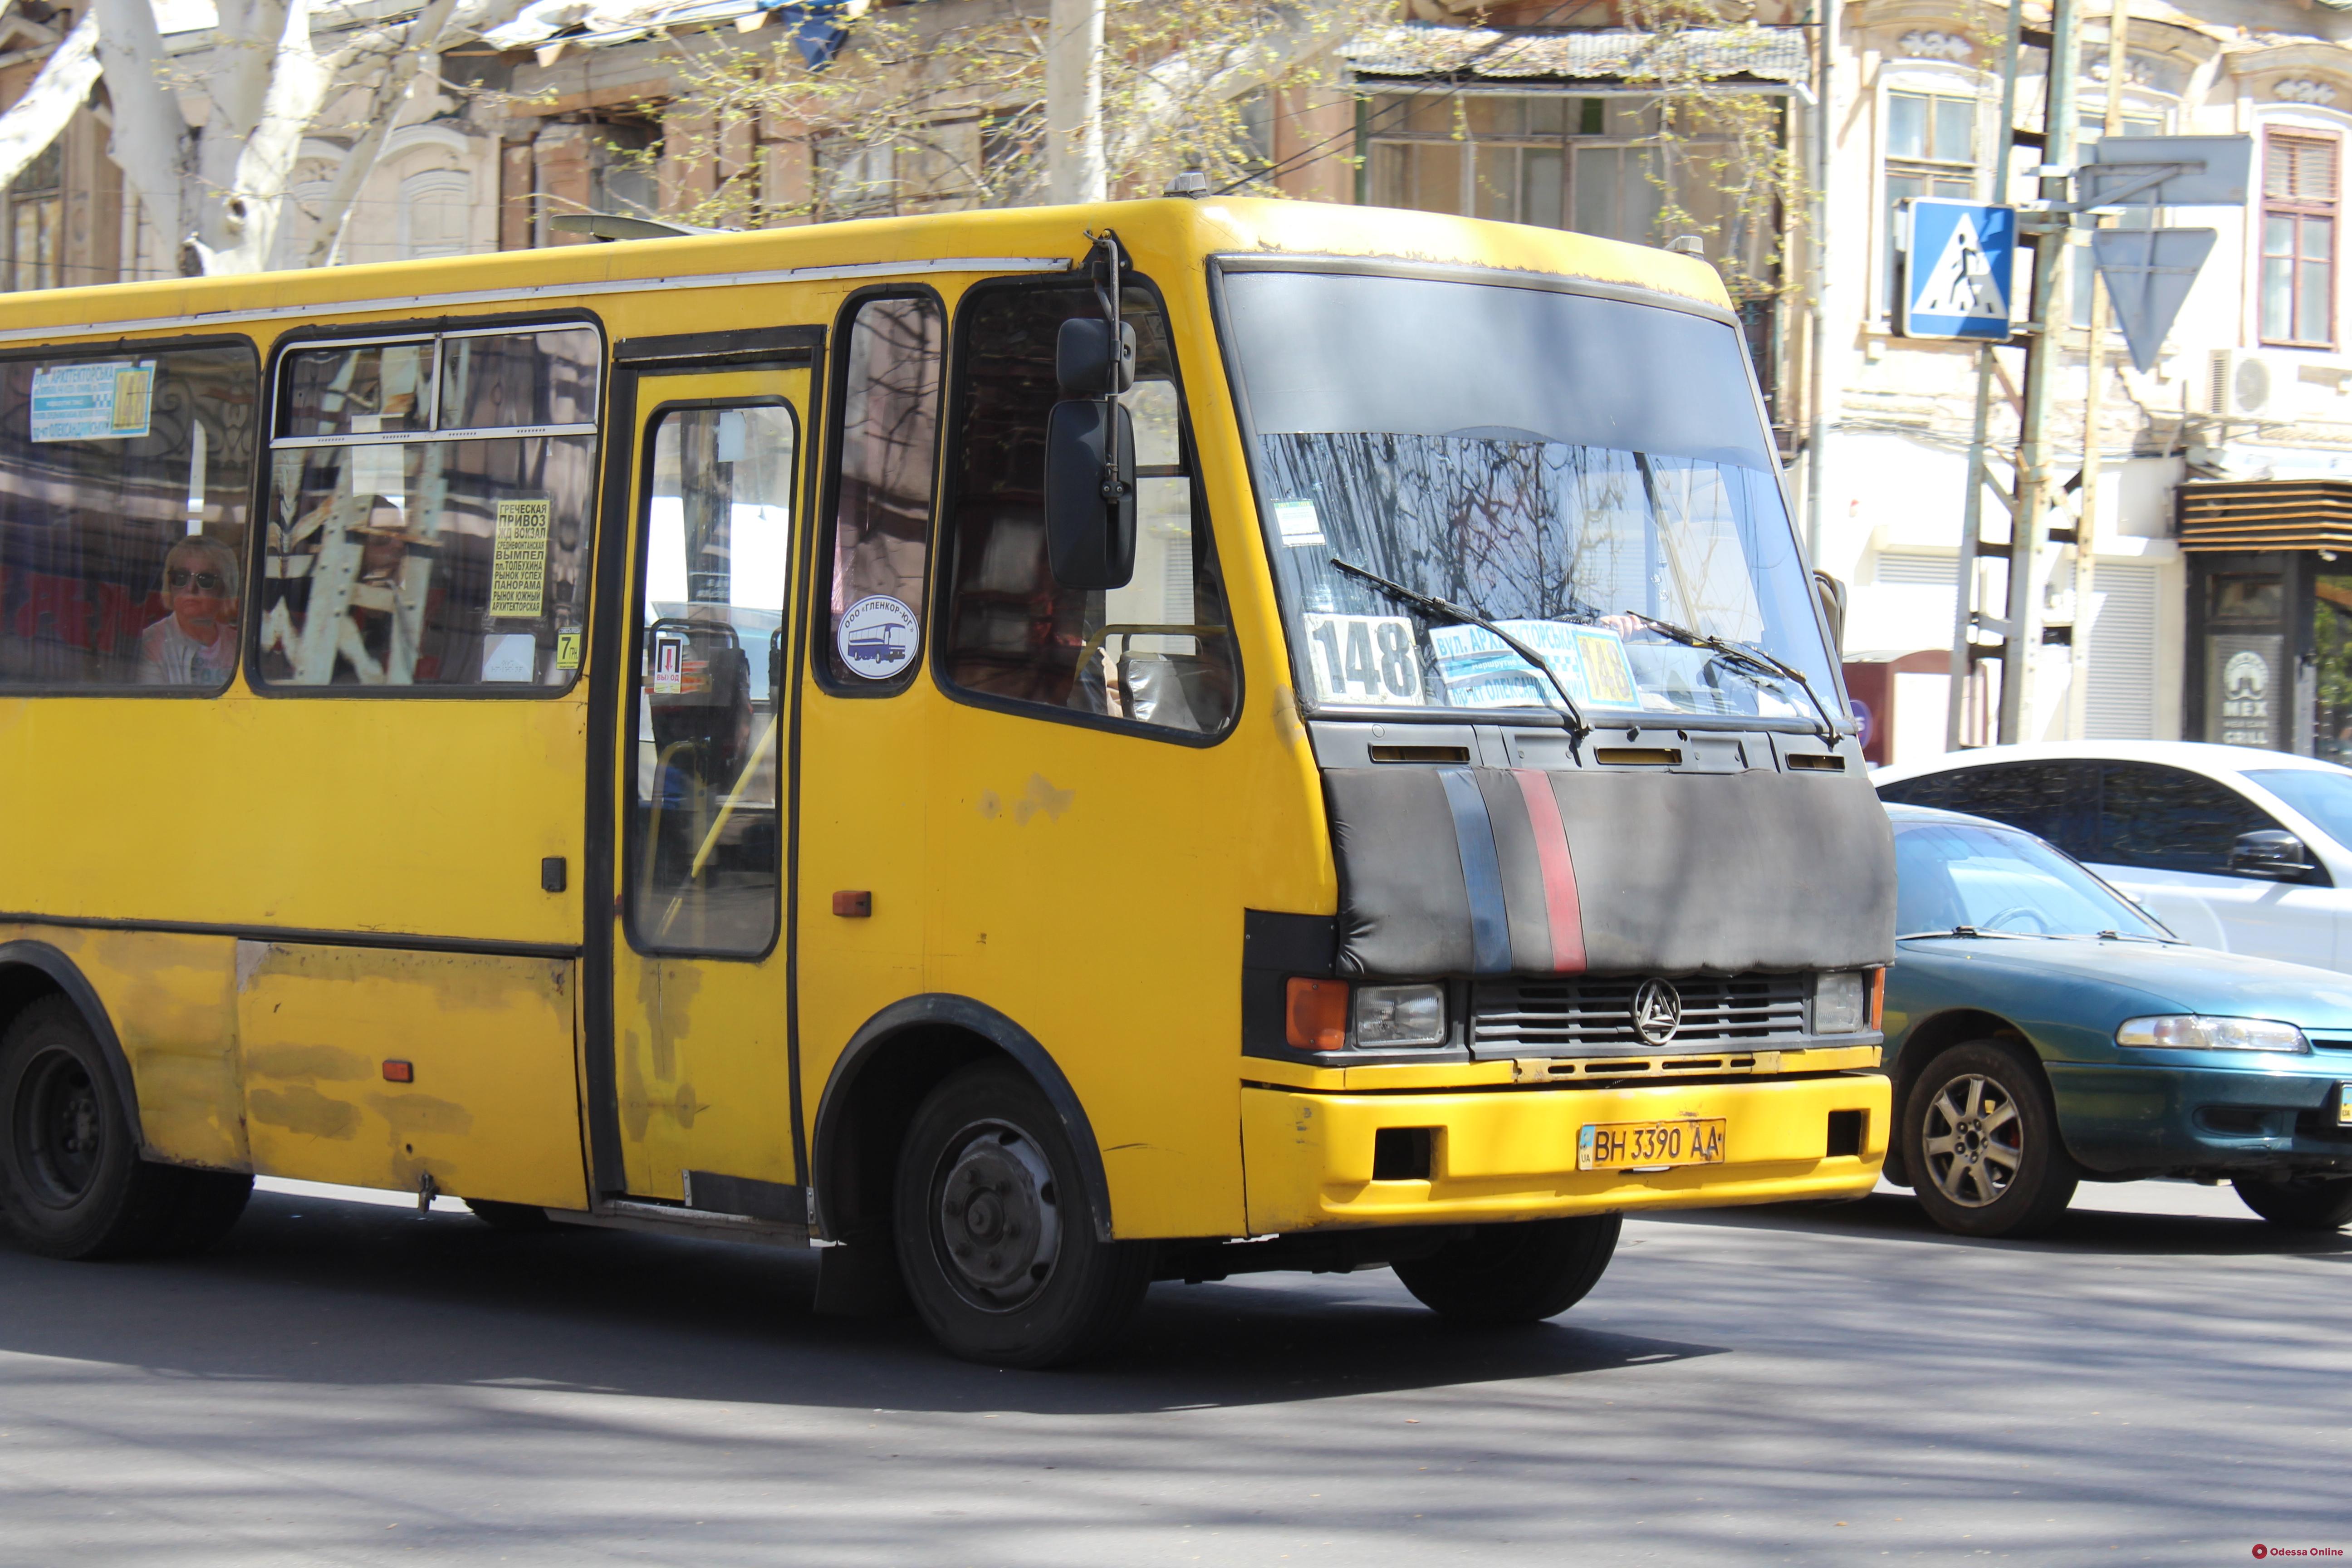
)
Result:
{"points": [[877, 637]]}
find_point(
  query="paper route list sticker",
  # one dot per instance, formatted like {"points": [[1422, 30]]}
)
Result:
{"points": [[875, 637], [519, 559]]}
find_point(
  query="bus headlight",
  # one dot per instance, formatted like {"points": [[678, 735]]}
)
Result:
{"points": [[1389, 1015], [2195, 1031], [1837, 1001]]}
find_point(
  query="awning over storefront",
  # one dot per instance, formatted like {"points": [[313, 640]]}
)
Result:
{"points": [[1412, 53], [2267, 514]]}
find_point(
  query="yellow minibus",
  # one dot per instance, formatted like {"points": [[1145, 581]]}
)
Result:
{"points": [[1036, 750]]}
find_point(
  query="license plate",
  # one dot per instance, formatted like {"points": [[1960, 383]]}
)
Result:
{"points": [[1627, 1145]]}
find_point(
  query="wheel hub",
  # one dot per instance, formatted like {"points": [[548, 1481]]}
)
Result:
{"points": [[999, 1221], [60, 1129], [1973, 1141]]}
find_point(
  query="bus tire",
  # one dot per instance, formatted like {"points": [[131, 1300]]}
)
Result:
{"points": [[995, 1233], [1520, 1273], [1981, 1143], [210, 1205], [71, 1181], [2307, 1203]]}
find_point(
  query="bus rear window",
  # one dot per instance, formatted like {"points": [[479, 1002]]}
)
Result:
{"points": [[125, 483], [429, 514]]}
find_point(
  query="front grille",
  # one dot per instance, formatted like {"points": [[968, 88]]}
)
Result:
{"points": [[1530, 1017]]}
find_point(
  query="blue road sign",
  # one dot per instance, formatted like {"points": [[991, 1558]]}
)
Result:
{"points": [[1957, 270]]}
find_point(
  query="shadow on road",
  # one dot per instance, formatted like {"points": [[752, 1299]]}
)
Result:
{"points": [[318, 1291], [1895, 1216]]}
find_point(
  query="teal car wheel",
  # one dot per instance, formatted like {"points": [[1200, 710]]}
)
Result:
{"points": [[2310, 1203], [1980, 1143]]}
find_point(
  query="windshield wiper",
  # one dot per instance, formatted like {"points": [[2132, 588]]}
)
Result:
{"points": [[1469, 617], [1966, 932], [1741, 653]]}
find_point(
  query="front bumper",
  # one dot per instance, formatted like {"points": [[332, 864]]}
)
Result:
{"points": [[1510, 1154], [2181, 1116]]}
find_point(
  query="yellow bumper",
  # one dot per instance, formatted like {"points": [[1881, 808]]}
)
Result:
{"points": [[1307, 1156]]}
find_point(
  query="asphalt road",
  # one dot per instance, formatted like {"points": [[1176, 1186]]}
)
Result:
{"points": [[347, 1383]]}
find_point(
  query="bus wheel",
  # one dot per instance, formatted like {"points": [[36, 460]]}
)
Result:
{"points": [[210, 1205], [1980, 1143], [996, 1234], [71, 1183], [1519, 1273], [2310, 1203]]}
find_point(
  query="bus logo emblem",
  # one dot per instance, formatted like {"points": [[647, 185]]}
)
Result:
{"points": [[1657, 1012]]}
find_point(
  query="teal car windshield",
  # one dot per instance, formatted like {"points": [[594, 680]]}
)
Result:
{"points": [[1951, 875], [1590, 474], [2323, 795]]}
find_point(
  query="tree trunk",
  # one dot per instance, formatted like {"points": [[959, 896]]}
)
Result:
{"points": [[151, 143], [242, 221], [35, 119], [1074, 132]]}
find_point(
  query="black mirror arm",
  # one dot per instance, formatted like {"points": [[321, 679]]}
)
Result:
{"points": [[1113, 483]]}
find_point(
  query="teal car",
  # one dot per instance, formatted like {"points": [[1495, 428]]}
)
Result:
{"points": [[2042, 1030]]}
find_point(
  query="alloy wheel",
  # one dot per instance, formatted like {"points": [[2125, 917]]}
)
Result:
{"points": [[1973, 1141]]}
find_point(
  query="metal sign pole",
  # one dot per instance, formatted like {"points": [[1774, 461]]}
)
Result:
{"points": [[1963, 665], [2086, 529], [2027, 529]]}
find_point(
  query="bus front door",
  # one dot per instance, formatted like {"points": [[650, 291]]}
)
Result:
{"points": [[693, 1103]]}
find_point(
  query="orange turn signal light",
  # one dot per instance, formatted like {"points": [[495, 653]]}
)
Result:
{"points": [[399, 1072], [1315, 1015], [1877, 996]]}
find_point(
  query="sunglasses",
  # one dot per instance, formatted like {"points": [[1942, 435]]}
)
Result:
{"points": [[202, 582]]}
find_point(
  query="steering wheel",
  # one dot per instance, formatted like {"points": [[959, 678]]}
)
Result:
{"points": [[1999, 920]]}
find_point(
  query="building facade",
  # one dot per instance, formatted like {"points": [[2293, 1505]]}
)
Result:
{"points": [[2206, 589]]}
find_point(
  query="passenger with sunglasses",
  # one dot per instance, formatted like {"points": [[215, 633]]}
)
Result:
{"points": [[195, 645]]}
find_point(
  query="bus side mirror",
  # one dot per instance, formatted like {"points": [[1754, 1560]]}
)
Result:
{"points": [[1832, 594], [1090, 493], [1088, 363]]}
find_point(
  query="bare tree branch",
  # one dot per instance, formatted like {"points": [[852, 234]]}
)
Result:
{"points": [[34, 121]]}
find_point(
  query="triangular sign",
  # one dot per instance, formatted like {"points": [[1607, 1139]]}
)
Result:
{"points": [[1962, 281], [2149, 273]]}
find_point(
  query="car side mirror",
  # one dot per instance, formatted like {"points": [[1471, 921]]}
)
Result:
{"points": [[2271, 852], [1090, 493]]}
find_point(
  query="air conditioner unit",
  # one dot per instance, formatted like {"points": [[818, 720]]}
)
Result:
{"points": [[2241, 384]]}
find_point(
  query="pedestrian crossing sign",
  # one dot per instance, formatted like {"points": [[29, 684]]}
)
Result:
{"points": [[1956, 269]]}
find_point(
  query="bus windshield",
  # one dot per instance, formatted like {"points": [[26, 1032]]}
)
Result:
{"points": [[1590, 474]]}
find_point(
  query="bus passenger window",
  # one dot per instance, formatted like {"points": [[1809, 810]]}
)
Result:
{"points": [[428, 515], [125, 484], [1157, 651], [889, 402], [705, 845]]}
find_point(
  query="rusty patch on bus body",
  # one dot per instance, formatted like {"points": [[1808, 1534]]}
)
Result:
{"points": [[305, 1064], [301, 1108], [411, 1113], [1041, 795]]}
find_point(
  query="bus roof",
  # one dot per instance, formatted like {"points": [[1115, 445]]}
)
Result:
{"points": [[1013, 239]]}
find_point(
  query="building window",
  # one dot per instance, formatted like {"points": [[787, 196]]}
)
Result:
{"points": [[435, 209], [1592, 165], [35, 203], [855, 179], [1931, 151], [2299, 239]]}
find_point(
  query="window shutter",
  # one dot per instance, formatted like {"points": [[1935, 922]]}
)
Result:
{"points": [[2299, 168], [2120, 702]]}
